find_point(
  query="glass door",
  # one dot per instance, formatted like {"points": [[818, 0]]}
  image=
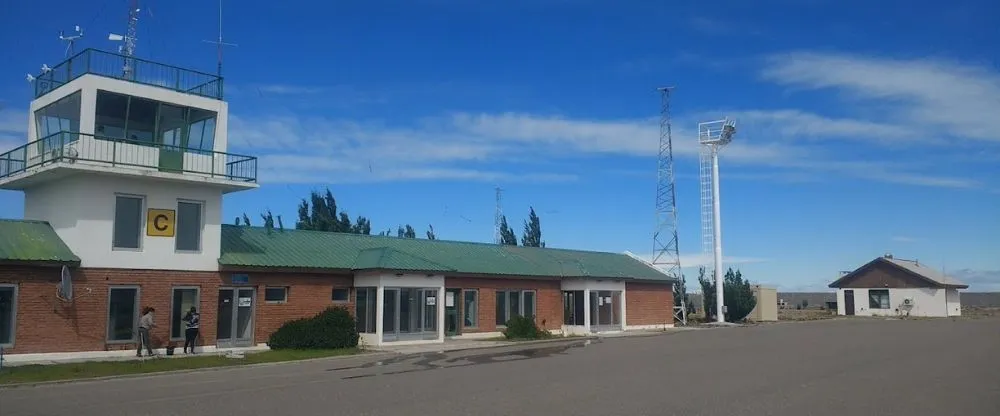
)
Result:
{"points": [[235, 325], [605, 310], [409, 314]]}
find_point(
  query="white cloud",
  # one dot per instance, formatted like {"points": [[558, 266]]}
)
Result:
{"points": [[979, 280], [694, 260], [13, 129], [289, 89], [935, 96], [905, 239]]}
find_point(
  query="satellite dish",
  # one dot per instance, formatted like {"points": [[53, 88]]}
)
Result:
{"points": [[65, 288]]}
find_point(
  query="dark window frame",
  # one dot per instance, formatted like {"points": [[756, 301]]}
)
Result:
{"points": [[284, 291], [877, 302], [13, 315], [140, 224], [136, 314], [179, 229], [333, 295]]}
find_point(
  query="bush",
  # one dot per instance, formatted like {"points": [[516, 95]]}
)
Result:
{"points": [[332, 328], [520, 327]]}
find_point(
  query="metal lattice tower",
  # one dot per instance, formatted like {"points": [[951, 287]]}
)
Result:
{"points": [[498, 217], [712, 137], [665, 250], [128, 49]]}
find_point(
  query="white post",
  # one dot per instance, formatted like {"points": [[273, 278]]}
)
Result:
{"points": [[717, 226]]}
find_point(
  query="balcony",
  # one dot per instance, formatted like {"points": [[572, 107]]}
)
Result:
{"points": [[74, 152], [113, 65]]}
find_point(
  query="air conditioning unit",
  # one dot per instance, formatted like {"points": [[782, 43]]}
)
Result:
{"points": [[908, 302]]}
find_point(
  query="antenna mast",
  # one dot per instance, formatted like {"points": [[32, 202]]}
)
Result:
{"points": [[70, 40], [665, 250], [219, 43], [666, 253], [498, 217], [128, 48]]}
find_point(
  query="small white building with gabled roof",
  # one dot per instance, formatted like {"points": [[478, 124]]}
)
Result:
{"points": [[888, 286]]}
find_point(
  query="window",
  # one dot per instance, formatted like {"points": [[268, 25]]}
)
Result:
{"points": [[120, 116], [512, 303], [128, 222], [62, 115], [365, 308], [188, 226], [141, 123], [123, 313], [183, 299], [573, 308], [341, 294], [878, 299], [110, 115], [202, 130], [8, 310], [276, 294], [470, 308]]}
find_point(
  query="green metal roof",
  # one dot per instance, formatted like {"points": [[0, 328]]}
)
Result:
{"points": [[32, 241], [256, 247]]}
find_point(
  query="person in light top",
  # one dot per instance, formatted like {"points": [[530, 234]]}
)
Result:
{"points": [[192, 322], [145, 324]]}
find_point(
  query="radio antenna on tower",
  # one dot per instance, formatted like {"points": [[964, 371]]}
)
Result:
{"points": [[498, 217], [219, 43], [665, 249], [128, 48]]}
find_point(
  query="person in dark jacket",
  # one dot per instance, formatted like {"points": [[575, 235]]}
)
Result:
{"points": [[192, 321]]}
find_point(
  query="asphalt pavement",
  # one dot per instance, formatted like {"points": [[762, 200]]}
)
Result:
{"points": [[842, 367]]}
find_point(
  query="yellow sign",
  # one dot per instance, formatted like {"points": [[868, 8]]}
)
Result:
{"points": [[160, 222]]}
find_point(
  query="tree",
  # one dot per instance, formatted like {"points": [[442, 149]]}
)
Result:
{"points": [[680, 293], [805, 303], [430, 233], [532, 236], [319, 213], [269, 218], [407, 232], [707, 293], [507, 236], [738, 296]]}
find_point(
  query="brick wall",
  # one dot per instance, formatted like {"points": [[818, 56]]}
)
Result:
{"points": [[648, 303], [548, 303], [46, 324]]}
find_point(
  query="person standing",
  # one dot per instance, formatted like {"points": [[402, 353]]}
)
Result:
{"points": [[192, 320], [145, 324]]}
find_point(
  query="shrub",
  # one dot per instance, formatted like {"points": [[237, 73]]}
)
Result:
{"points": [[520, 327], [332, 328]]}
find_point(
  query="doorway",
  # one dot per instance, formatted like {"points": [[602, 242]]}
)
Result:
{"points": [[452, 312], [848, 302], [235, 325], [172, 136], [605, 310], [409, 314]]}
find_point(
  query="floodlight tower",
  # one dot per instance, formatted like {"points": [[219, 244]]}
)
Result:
{"points": [[712, 137]]}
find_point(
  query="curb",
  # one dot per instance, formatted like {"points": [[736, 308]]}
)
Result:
{"points": [[486, 347], [29, 384]]}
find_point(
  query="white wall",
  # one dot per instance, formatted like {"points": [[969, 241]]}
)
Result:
{"points": [[926, 302], [82, 209], [89, 84], [384, 280], [954, 301]]}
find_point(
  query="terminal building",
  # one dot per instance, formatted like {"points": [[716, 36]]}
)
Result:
{"points": [[124, 172]]}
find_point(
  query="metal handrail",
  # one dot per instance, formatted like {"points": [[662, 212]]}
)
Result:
{"points": [[72, 147], [109, 64]]}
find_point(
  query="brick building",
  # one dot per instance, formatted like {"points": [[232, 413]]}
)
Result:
{"points": [[123, 178]]}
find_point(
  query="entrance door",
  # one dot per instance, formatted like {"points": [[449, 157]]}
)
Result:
{"points": [[235, 325], [605, 310], [452, 311], [848, 302], [172, 135], [409, 314]]}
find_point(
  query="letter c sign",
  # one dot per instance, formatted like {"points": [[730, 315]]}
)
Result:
{"points": [[160, 222]]}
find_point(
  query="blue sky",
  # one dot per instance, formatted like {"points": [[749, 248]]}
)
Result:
{"points": [[862, 129]]}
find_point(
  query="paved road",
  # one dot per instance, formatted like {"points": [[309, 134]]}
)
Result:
{"points": [[864, 367]]}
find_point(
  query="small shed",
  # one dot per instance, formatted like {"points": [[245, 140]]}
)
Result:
{"points": [[766, 309]]}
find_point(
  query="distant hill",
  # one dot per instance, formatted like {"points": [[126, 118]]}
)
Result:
{"points": [[815, 299]]}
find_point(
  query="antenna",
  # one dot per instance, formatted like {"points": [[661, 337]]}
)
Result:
{"points": [[219, 43], [713, 136], [128, 48], [71, 39], [498, 217], [666, 254]]}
